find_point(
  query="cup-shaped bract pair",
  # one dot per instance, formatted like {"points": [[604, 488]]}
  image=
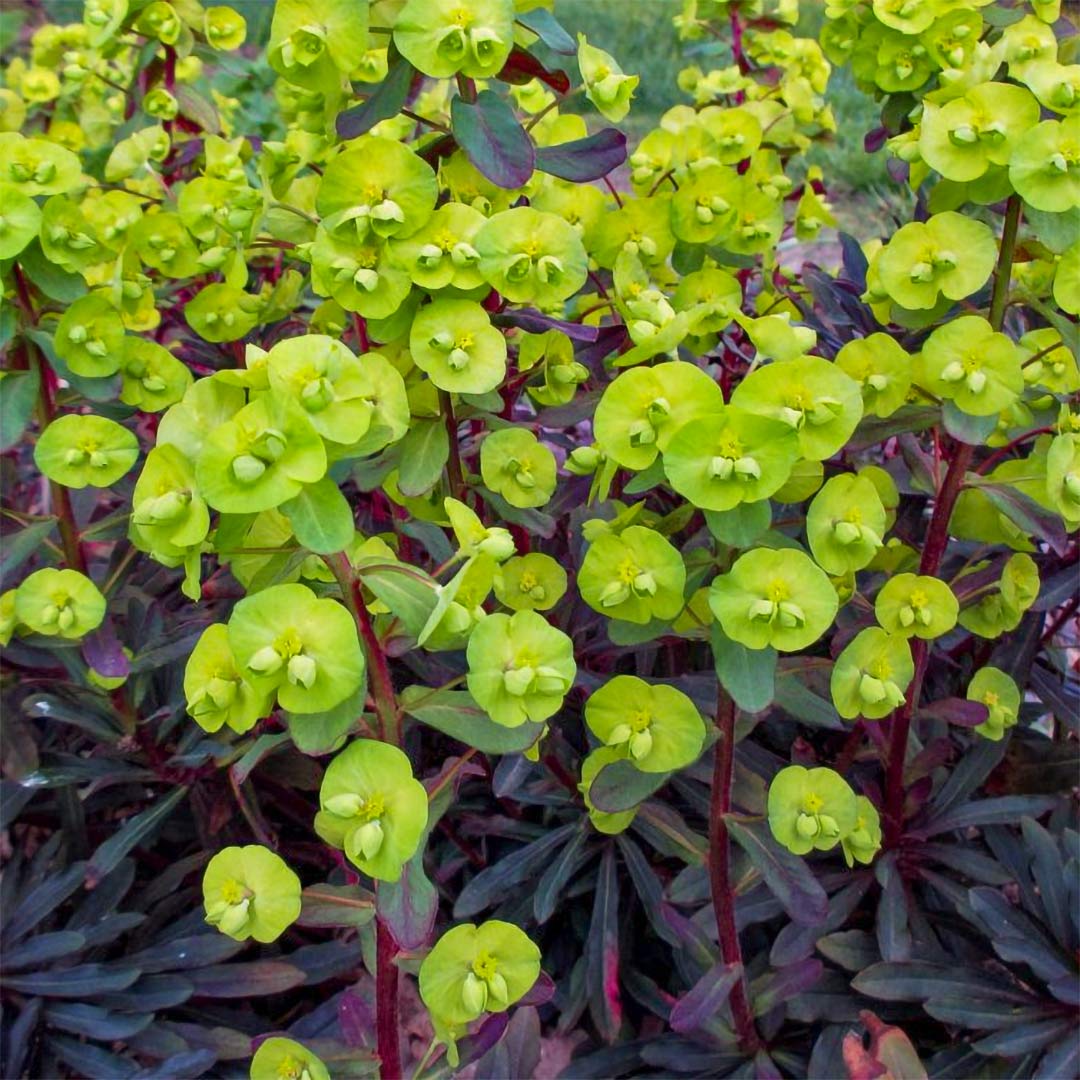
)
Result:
{"points": [[473, 970], [89, 337], [82, 450], [882, 368], [810, 809], [328, 382], [517, 466], [1000, 610], [606, 85], [533, 582], [730, 457], [948, 255], [443, 252], [249, 892], [863, 842], [915, 605], [372, 808], [781, 599], [376, 188], [467, 37], [1063, 477], [812, 396], [1045, 165], [454, 343], [642, 410], [1001, 696], [520, 667], [278, 1058], [532, 257], [656, 727], [261, 457], [169, 516], [972, 133], [967, 362], [845, 524], [634, 575], [153, 379], [872, 674], [59, 603], [285, 639], [316, 43], [217, 693]]}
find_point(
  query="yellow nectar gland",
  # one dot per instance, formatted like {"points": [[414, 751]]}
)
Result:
{"points": [[372, 808], [233, 892], [640, 720], [990, 699], [813, 803], [730, 447], [292, 1068], [628, 571], [485, 965], [777, 591], [528, 582]]}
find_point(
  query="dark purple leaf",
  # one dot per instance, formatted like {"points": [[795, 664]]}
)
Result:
{"points": [[956, 711], [256, 979], [584, 159], [705, 998], [522, 67], [788, 877], [602, 953], [102, 651], [893, 931], [135, 831], [1034, 520], [493, 139], [543, 990], [475, 1046], [385, 102], [356, 1018], [776, 986], [535, 322], [874, 140]]}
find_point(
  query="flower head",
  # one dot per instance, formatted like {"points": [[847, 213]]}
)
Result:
{"points": [[515, 465], [284, 1059], [454, 342], [83, 450], [914, 605], [606, 86], [845, 524], [1001, 696], [635, 575], [810, 809], [442, 38], [657, 728], [533, 582], [520, 667], [217, 693], [372, 808], [871, 675], [774, 598], [969, 363], [864, 840], [61, 603], [249, 892]]}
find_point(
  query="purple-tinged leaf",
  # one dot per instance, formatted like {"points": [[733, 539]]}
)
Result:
{"points": [[257, 979], [787, 876], [543, 990], [517, 1053], [922, 981], [101, 649], [1005, 810], [602, 953], [1033, 520], [409, 905], [493, 139], [958, 711], [548, 29], [387, 100], [585, 159], [1025, 1039], [705, 998], [475, 1046], [779, 984], [356, 1018], [336, 905], [83, 981], [536, 322], [621, 786], [135, 831], [874, 140], [893, 931], [522, 67], [559, 872]]}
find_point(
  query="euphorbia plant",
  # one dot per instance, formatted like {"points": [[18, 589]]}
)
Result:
{"points": [[476, 472]]}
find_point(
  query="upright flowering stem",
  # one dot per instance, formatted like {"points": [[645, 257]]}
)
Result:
{"points": [[937, 540], [387, 1036], [386, 1003], [723, 896]]}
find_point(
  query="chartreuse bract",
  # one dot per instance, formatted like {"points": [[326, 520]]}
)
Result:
{"points": [[375, 408], [249, 892], [472, 970]]}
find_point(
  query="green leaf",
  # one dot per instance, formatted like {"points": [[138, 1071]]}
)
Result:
{"points": [[455, 713], [325, 732], [561, 869], [548, 29], [18, 396], [1032, 518], [336, 906], [425, 451], [787, 877], [748, 675], [197, 109], [407, 592], [622, 786], [493, 139], [55, 282], [740, 526], [974, 430], [321, 518]]}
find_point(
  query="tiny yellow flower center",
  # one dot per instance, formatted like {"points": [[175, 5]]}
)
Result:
{"points": [[777, 591], [232, 892], [628, 571], [485, 965], [813, 803]]}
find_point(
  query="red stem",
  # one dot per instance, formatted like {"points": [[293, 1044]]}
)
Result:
{"points": [[387, 1033], [723, 896]]}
